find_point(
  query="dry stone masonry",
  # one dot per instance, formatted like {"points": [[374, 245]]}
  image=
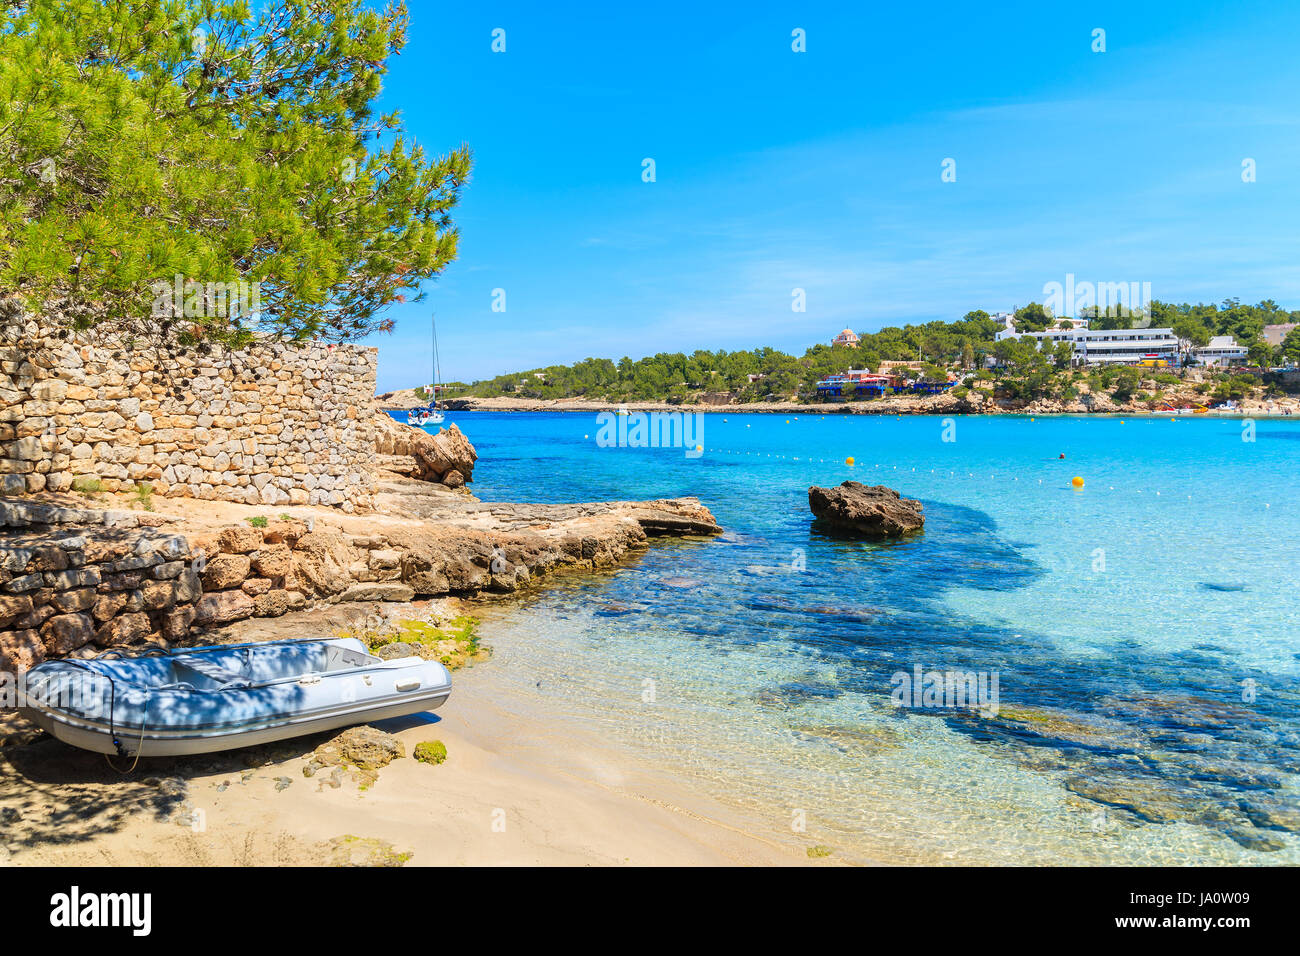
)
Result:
{"points": [[76, 580], [277, 424]]}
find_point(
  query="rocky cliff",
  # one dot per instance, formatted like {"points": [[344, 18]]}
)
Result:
{"points": [[445, 457]]}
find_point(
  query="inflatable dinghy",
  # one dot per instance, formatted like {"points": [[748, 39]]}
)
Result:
{"points": [[205, 699]]}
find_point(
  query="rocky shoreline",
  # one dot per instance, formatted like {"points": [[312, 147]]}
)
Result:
{"points": [[76, 580], [896, 405], [83, 573]]}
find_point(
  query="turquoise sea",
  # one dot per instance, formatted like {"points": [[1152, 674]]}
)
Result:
{"points": [[1144, 631]]}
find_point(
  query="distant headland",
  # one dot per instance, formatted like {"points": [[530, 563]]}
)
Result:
{"points": [[1228, 357]]}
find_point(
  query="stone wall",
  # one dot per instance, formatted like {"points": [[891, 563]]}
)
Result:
{"points": [[277, 424], [74, 580]]}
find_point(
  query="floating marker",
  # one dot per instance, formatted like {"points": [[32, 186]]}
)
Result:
{"points": [[1076, 481], [849, 461]]}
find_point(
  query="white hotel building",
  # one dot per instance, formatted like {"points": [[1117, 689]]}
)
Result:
{"points": [[1129, 346], [1112, 346]]}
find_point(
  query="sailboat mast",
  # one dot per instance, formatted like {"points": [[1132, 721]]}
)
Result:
{"points": [[437, 369]]}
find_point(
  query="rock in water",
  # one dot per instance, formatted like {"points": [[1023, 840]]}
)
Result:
{"points": [[871, 511]]}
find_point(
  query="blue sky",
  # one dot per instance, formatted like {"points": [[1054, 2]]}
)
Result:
{"points": [[821, 170]]}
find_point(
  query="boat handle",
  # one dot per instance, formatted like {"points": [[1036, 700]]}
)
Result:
{"points": [[407, 685]]}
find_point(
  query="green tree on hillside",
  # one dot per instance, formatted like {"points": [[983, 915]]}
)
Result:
{"points": [[1291, 346], [1260, 353], [1033, 317]]}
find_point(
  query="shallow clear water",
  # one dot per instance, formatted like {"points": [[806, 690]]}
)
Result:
{"points": [[1144, 630]]}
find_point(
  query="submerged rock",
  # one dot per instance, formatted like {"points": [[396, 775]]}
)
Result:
{"points": [[1259, 840], [1149, 800], [1272, 814], [873, 511]]}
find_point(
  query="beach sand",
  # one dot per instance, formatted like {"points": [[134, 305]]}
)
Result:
{"points": [[515, 790]]}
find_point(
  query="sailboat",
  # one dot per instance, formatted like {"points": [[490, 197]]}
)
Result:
{"points": [[419, 417]]}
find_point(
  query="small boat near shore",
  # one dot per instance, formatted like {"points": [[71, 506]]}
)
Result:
{"points": [[207, 699]]}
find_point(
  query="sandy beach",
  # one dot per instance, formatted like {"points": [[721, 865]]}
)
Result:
{"points": [[516, 789]]}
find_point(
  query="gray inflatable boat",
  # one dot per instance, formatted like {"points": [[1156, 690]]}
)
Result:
{"points": [[206, 699]]}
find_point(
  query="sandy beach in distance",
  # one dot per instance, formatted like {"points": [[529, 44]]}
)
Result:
{"points": [[514, 790]]}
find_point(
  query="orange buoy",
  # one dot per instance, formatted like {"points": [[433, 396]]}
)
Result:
{"points": [[1076, 481], [849, 461]]}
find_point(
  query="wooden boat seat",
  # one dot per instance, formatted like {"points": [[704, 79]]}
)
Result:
{"points": [[209, 669]]}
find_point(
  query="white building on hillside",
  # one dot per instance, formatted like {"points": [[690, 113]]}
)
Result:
{"points": [[1222, 350], [1113, 346], [1008, 321]]}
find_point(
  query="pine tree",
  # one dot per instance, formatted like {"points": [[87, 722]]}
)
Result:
{"points": [[145, 140]]}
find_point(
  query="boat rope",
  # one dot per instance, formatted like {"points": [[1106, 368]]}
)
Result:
{"points": [[112, 717], [139, 745]]}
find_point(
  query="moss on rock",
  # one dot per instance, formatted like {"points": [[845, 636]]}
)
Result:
{"points": [[431, 751]]}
